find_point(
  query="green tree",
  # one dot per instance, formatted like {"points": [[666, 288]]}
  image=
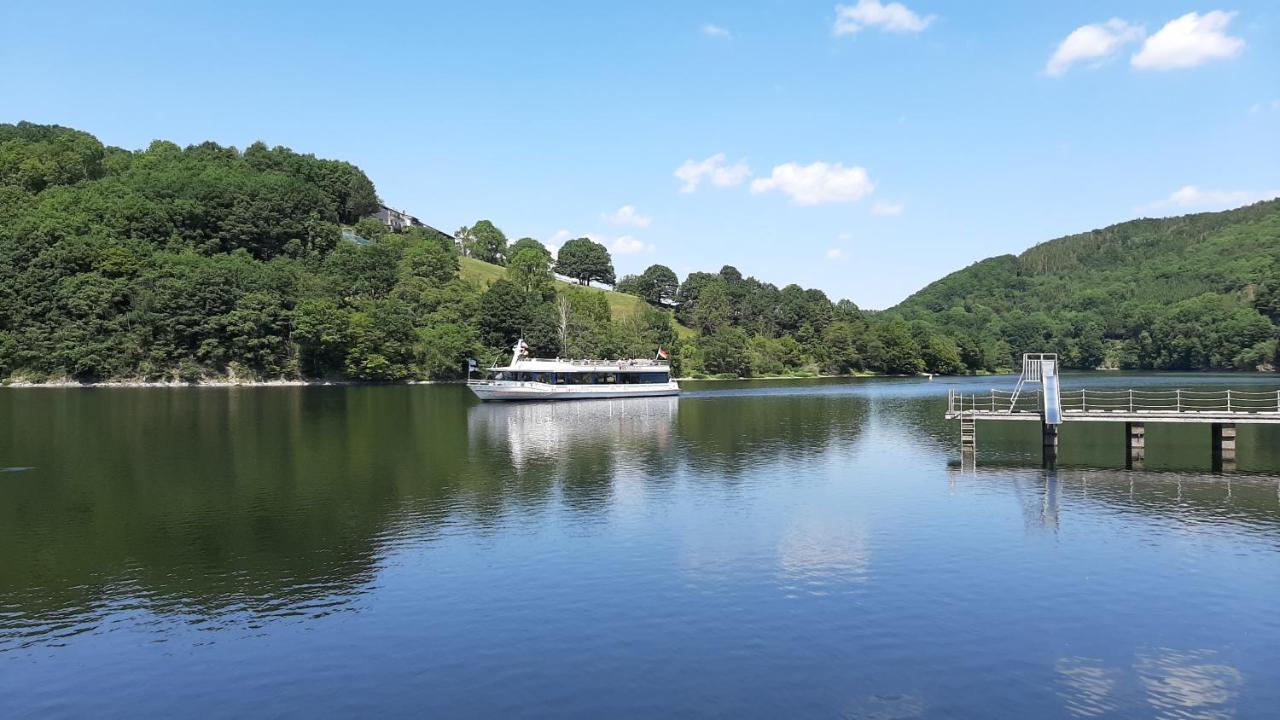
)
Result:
{"points": [[443, 350], [530, 243], [431, 259], [507, 313], [629, 284], [364, 272], [484, 241], [584, 322], [894, 350], [321, 329], [382, 342], [725, 352], [712, 310], [585, 261], [941, 356], [841, 341], [529, 271], [370, 229], [658, 284]]}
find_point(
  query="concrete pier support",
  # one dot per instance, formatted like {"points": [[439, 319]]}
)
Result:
{"points": [[1224, 447], [1136, 433], [1049, 433]]}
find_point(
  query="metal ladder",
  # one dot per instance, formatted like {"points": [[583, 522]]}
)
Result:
{"points": [[968, 429]]}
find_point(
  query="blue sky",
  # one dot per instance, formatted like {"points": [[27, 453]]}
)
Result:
{"points": [[865, 148]]}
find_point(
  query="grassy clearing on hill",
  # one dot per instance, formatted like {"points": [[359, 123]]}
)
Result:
{"points": [[621, 305]]}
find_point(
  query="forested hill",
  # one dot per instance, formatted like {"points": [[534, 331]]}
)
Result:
{"points": [[210, 262], [1193, 292]]}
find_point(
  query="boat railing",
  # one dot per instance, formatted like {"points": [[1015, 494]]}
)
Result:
{"points": [[511, 383], [598, 363]]}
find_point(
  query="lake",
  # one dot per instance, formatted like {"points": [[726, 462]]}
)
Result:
{"points": [[748, 550]]}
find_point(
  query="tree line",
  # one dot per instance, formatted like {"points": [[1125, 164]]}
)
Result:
{"points": [[174, 263], [1197, 292]]}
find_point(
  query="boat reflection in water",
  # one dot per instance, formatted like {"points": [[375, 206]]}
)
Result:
{"points": [[625, 429]]}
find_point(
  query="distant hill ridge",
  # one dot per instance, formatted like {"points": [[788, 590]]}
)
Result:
{"points": [[1129, 280]]}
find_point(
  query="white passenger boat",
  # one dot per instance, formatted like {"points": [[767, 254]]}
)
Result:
{"points": [[527, 378]]}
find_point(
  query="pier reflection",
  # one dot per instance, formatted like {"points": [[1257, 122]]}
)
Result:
{"points": [[812, 512], [1194, 498]]}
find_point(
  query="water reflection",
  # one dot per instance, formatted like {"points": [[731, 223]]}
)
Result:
{"points": [[821, 557], [1160, 683], [1189, 684], [1250, 501], [1088, 686], [636, 428], [802, 545]]}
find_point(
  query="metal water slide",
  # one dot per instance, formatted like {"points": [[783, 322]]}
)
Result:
{"points": [[1050, 391], [1041, 368]]}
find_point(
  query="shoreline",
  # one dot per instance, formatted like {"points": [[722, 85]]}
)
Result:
{"points": [[791, 377], [238, 383], [230, 383], [55, 384]]}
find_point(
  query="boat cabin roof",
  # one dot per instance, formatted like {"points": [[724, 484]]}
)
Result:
{"points": [[560, 365]]}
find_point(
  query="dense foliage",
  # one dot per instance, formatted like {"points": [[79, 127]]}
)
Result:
{"points": [[586, 261], [1187, 293], [658, 284], [207, 261], [747, 327]]}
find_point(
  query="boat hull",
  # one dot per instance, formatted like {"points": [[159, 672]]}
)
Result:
{"points": [[498, 391]]}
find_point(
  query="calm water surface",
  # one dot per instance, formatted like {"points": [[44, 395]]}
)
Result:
{"points": [[801, 549]]}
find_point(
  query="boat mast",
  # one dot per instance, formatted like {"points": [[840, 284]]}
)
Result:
{"points": [[518, 351]]}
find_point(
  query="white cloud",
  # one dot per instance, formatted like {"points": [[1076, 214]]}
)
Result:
{"points": [[1092, 42], [835, 254], [1261, 107], [817, 183], [716, 31], [559, 238], [886, 208], [629, 245], [1190, 197], [627, 215], [1190, 40], [620, 245], [693, 172], [891, 17]]}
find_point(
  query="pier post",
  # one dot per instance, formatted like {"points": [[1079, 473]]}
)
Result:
{"points": [[1049, 433], [1224, 447], [1136, 432]]}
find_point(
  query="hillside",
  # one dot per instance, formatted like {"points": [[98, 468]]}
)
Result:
{"points": [[1191, 292], [209, 262], [621, 305]]}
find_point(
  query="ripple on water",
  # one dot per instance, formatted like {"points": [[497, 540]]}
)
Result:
{"points": [[800, 551]]}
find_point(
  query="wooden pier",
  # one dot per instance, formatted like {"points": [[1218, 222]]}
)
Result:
{"points": [[1221, 410]]}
